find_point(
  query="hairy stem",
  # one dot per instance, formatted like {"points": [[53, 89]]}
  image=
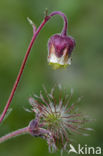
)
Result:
{"points": [[26, 57], [14, 134]]}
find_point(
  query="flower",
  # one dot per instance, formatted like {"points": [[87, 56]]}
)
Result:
{"points": [[60, 48], [56, 119]]}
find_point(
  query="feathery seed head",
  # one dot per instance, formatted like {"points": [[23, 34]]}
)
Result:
{"points": [[56, 119]]}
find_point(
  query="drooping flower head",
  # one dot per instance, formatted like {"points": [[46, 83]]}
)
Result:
{"points": [[56, 119], [60, 46], [60, 49]]}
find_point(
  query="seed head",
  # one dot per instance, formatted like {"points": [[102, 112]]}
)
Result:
{"points": [[56, 119]]}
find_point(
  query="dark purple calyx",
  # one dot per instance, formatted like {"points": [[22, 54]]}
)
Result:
{"points": [[61, 43], [35, 129]]}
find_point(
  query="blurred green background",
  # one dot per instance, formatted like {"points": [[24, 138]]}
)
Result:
{"points": [[85, 74]]}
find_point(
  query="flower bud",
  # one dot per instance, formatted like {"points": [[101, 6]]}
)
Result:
{"points": [[60, 49]]}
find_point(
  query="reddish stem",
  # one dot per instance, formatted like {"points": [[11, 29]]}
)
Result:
{"points": [[26, 57], [21, 70], [64, 31], [13, 134]]}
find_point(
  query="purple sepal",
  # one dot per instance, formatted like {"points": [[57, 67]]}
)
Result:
{"points": [[60, 43]]}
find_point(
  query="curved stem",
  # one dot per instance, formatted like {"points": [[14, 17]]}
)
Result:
{"points": [[64, 31], [21, 69], [26, 57], [14, 134]]}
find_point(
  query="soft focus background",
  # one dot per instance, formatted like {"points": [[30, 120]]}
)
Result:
{"points": [[85, 74]]}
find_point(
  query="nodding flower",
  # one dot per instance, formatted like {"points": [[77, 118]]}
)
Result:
{"points": [[56, 119], [60, 48]]}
